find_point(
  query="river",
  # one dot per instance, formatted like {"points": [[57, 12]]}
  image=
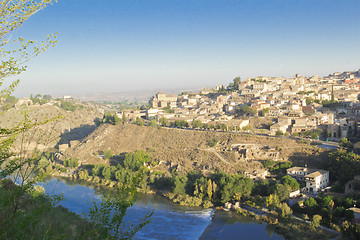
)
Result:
{"points": [[170, 220]]}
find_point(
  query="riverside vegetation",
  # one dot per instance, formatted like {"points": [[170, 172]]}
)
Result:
{"points": [[217, 188]]}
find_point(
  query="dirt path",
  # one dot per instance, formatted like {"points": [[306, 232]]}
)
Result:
{"points": [[217, 154]]}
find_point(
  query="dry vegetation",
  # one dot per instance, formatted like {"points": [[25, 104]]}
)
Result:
{"points": [[73, 125], [183, 150]]}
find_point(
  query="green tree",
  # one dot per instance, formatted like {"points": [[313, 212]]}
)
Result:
{"points": [[97, 169], [311, 206], [343, 165], [108, 172], [108, 154], [223, 127], [309, 100], [124, 118], [74, 162], [279, 133], [264, 111], [229, 185], [68, 106], [9, 103], [43, 162], [209, 190], [310, 202], [111, 118], [268, 163], [83, 174], [345, 143], [196, 124], [237, 81], [246, 110], [17, 221], [282, 191], [212, 142], [109, 214], [315, 222], [47, 97], [291, 182], [14, 54], [139, 121], [203, 189], [284, 210], [233, 86], [272, 201], [153, 123], [134, 161], [164, 122], [179, 183]]}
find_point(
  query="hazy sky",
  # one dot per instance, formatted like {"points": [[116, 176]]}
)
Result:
{"points": [[125, 45]]}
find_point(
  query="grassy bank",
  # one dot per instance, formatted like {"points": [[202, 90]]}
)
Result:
{"points": [[32, 215]]}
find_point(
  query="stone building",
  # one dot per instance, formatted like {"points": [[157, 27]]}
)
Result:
{"points": [[162, 100]]}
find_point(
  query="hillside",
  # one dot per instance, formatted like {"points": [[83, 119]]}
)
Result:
{"points": [[70, 125], [183, 150]]}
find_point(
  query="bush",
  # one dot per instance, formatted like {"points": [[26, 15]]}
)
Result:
{"points": [[97, 170], [74, 162], [279, 133], [283, 210], [83, 175], [212, 142], [68, 106], [268, 163], [153, 123], [246, 128], [108, 154], [139, 121]]}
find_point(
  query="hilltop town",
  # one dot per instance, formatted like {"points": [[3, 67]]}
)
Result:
{"points": [[248, 139], [325, 107]]}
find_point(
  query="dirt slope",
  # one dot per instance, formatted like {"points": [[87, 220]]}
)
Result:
{"points": [[183, 149], [71, 126]]}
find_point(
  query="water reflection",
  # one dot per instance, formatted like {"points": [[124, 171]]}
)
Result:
{"points": [[229, 225], [170, 220]]}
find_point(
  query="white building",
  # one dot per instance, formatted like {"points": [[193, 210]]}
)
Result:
{"points": [[298, 173], [315, 179]]}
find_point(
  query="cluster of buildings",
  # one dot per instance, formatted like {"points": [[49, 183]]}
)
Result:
{"points": [[315, 179], [295, 104]]}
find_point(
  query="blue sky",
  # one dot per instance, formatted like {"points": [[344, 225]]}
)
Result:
{"points": [[125, 45]]}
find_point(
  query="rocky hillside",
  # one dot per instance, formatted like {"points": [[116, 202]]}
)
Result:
{"points": [[67, 125], [183, 150]]}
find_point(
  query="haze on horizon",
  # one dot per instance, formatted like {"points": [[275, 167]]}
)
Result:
{"points": [[118, 46]]}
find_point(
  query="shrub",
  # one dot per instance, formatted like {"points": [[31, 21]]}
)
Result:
{"points": [[108, 154], [279, 133], [212, 142]]}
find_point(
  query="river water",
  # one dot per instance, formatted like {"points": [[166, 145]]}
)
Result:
{"points": [[170, 220]]}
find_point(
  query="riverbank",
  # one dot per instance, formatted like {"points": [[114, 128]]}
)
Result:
{"points": [[195, 189], [223, 225], [203, 185]]}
